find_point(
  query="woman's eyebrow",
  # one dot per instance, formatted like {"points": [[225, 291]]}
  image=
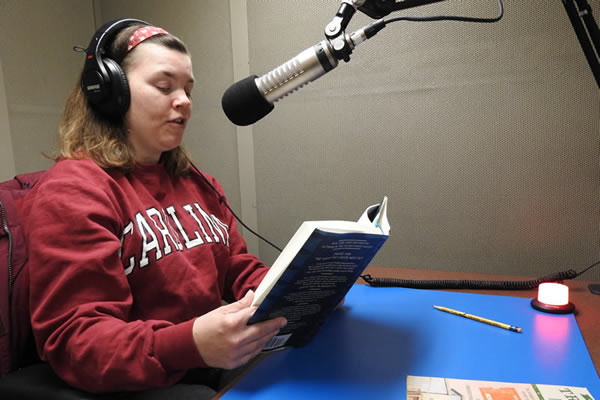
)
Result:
{"points": [[171, 75]]}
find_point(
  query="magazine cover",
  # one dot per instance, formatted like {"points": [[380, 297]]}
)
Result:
{"points": [[431, 388]]}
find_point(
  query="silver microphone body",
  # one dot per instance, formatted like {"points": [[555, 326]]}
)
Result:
{"points": [[307, 66]]}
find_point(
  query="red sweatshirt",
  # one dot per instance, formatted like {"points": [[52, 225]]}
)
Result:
{"points": [[121, 265]]}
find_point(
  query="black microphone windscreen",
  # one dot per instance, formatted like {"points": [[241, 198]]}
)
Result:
{"points": [[244, 104]]}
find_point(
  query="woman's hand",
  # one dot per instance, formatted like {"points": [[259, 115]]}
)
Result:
{"points": [[223, 338]]}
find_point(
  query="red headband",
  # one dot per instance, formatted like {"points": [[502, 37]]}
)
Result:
{"points": [[142, 34]]}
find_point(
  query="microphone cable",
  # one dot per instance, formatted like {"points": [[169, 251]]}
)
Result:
{"points": [[474, 284], [222, 199], [452, 17]]}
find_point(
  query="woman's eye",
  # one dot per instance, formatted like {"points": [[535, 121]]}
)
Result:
{"points": [[164, 89]]}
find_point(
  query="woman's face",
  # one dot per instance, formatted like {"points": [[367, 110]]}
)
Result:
{"points": [[160, 81]]}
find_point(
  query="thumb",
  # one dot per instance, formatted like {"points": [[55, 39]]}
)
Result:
{"points": [[248, 297], [242, 303]]}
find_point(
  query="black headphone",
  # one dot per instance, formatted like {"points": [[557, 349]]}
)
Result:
{"points": [[103, 81]]}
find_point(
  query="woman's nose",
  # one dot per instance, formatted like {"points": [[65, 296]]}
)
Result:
{"points": [[182, 99]]}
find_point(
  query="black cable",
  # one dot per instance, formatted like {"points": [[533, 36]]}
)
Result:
{"points": [[473, 284], [231, 211], [588, 268], [452, 17]]}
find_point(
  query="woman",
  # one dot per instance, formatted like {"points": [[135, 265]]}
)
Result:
{"points": [[131, 250]]}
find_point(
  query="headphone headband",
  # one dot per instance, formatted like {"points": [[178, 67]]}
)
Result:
{"points": [[105, 34]]}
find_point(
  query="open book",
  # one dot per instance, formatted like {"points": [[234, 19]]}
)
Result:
{"points": [[314, 272]]}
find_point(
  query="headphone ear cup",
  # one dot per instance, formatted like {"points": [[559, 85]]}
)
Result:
{"points": [[116, 104]]}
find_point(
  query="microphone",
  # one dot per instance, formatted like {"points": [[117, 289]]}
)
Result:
{"points": [[252, 98]]}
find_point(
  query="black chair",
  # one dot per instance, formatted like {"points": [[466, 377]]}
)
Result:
{"points": [[38, 381]]}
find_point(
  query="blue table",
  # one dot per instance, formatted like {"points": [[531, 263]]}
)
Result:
{"points": [[381, 335]]}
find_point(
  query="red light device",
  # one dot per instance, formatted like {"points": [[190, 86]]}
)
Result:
{"points": [[553, 298]]}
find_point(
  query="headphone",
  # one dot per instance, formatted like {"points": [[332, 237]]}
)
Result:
{"points": [[103, 81]]}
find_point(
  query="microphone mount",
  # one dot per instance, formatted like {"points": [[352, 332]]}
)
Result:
{"points": [[335, 31]]}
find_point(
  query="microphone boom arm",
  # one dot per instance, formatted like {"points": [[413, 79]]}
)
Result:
{"points": [[588, 34], [380, 8]]}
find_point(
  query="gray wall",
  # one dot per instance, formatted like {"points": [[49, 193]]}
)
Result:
{"points": [[39, 69], [485, 137]]}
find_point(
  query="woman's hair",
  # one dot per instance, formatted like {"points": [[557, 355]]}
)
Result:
{"points": [[83, 133]]}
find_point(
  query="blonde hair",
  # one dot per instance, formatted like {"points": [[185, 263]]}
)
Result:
{"points": [[83, 133]]}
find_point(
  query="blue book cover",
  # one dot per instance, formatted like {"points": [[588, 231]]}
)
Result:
{"points": [[315, 271]]}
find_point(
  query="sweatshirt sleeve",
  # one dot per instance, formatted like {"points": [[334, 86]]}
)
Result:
{"points": [[246, 271], [80, 299]]}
